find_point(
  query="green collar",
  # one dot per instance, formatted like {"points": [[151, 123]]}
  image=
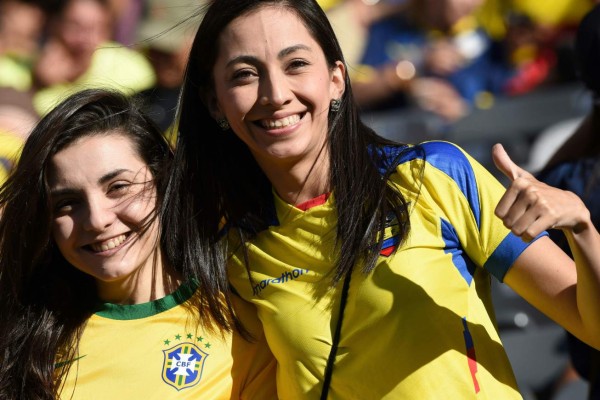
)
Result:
{"points": [[144, 310]]}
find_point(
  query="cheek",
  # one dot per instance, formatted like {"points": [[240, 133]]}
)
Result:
{"points": [[62, 231], [234, 101], [237, 103], [139, 208], [320, 89]]}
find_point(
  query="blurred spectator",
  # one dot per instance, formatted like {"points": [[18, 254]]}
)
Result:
{"points": [[576, 167], [328, 4], [127, 16], [17, 118], [166, 33], [538, 36], [435, 56], [21, 27], [79, 54], [10, 150], [351, 20], [554, 13]]}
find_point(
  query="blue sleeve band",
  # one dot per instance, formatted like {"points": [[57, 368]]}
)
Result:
{"points": [[506, 254]]}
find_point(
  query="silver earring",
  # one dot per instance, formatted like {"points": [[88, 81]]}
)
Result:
{"points": [[223, 124], [335, 105]]}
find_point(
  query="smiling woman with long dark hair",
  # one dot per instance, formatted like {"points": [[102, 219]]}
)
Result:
{"points": [[92, 301], [369, 261]]}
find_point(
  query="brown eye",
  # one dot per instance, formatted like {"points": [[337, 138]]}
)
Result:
{"points": [[244, 75], [64, 206], [118, 188], [298, 63]]}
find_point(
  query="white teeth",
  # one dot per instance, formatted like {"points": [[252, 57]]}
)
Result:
{"points": [[280, 123], [108, 244]]}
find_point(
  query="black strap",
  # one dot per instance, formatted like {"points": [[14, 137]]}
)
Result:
{"points": [[336, 338]]}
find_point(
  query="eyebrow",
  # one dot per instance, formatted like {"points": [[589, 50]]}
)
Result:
{"points": [[110, 175], [102, 180], [253, 60]]}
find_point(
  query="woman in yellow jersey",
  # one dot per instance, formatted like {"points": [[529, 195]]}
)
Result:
{"points": [[93, 301], [369, 261]]}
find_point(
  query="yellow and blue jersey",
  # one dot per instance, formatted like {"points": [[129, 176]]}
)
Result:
{"points": [[421, 324]]}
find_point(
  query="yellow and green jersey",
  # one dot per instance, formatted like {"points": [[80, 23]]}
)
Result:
{"points": [[420, 325], [156, 350]]}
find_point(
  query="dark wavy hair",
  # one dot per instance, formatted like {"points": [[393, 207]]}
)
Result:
{"points": [[218, 180], [44, 301]]}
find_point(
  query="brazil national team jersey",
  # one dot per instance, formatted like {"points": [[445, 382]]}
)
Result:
{"points": [[420, 326], [156, 351]]}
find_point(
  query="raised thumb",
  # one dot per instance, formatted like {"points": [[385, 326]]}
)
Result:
{"points": [[504, 163]]}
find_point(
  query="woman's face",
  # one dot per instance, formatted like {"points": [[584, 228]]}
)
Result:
{"points": [[273, 85], [85, 25], [101, 191]]}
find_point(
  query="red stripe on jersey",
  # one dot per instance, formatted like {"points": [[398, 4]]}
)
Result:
{"points": [[473, 367], [317, 201]]}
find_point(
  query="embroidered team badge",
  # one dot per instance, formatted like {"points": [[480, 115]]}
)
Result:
{"points": [[183, 364], [390, 235]]}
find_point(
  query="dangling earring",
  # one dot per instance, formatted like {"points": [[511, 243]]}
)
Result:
{"points": [[223, 124], [335, 105]]}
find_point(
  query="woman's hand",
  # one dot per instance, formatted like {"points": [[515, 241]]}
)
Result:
{"points": [[529, 206], [544, 275]]}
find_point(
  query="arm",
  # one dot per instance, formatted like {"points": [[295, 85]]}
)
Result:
{"points": [[567, 291]]}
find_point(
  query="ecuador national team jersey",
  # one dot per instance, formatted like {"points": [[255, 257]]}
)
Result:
{"points": [[420, 325], [156, 351]]}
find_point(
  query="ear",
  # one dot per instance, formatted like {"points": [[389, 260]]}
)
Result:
{"points": [[338, 80]]}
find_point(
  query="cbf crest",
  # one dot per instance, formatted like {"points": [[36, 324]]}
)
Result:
{"points": [[182, 366]]}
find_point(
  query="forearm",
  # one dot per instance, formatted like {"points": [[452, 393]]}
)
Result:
{"points": [[585, 246]]}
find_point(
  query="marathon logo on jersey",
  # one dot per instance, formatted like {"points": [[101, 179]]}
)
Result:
{"points": [[183, 365], [284, 278], [391, 238]]}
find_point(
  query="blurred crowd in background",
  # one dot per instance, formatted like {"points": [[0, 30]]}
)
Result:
{"points": [[418, 67], [471, 71]]}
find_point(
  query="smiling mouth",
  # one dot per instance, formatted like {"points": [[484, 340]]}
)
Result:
{"points": [[109, 244], [281, 122]]}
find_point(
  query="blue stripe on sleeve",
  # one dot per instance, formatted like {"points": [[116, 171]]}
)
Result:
{"points": [[506, 254], [461, 261], [450, 160], [447, 158]]}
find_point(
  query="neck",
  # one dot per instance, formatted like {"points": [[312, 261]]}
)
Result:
{"points": [[151, 282], [297, 182]]}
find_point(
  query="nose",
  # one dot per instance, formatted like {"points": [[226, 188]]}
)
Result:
{"points": [[275, 89], [100, 215]]}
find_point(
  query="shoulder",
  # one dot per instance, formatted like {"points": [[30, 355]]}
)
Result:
{"points": [[441, 155], [441, 168], [121, 63]]}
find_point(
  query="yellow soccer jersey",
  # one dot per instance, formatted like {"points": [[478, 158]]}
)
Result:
{"points": [[420, 325], [155, 351]]}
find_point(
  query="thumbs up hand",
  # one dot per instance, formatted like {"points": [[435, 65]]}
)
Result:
{"points": [[529, 206]]}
